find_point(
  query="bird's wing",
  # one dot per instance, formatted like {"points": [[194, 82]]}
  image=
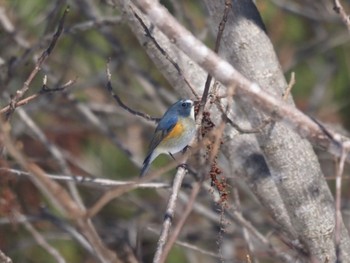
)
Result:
{"points": [[165, 126]]}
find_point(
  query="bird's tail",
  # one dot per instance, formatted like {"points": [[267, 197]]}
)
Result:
{"points": [[146, 164]]}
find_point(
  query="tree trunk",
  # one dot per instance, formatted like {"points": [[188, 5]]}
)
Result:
{"points": [[307, 207]]}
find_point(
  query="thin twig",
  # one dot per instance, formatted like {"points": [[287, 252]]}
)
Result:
{"points": [[41, 240], [88, 181], [266, 121], [246, 234], [120, 102], [11, 29], [43, 90], [291, 84], [20, 93]]}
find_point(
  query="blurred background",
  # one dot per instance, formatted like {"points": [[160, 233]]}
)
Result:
{"points": [[97, 138]]}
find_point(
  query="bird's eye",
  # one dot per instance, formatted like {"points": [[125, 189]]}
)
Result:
{"points": [[184, 104]]}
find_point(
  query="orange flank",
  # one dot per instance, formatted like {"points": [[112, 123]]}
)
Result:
{"points": [[176, 131]]}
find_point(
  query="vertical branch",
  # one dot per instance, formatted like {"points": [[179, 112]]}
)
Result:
{"points": [[169, 215], [181, 223], [228, 6], [195, 191], [338, 217], [246, 234]]}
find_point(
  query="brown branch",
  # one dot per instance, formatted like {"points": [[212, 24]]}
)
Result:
{"points": [[58, 196], [20, 93], [43, 90]]}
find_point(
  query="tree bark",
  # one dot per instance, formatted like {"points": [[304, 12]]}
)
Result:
{"points": [[292, 163]]}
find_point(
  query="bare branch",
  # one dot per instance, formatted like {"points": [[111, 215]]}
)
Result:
{"points": [[169, 215], [339, 9], [44, 90], [89, 181], [59, 197], [119, 101], [20, 93]]}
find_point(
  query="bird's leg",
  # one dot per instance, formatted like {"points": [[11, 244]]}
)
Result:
{"points": [[183, 165], [172, 156]]}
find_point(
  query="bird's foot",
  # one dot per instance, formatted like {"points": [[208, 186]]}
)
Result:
{"points": [[182, 165], [186, 149]]}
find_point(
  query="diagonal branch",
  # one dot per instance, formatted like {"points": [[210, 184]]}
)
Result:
{"points": [[339, 9], [248, 91]]}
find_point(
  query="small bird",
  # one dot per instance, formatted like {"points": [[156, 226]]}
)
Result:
{"points": [[174, 132]]}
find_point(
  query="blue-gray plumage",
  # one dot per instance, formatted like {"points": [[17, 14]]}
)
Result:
{"points": [[174, 132]]}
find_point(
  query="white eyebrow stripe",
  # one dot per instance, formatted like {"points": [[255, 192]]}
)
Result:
{"points": [[189, 101]]}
